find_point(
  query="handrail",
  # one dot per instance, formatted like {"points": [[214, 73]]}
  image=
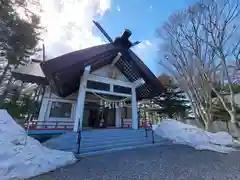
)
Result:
{"points": [[79, 137], [149, 128]]}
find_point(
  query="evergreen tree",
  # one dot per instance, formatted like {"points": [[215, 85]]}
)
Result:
{"points": [[18, 39], [20, 109], [173, 102]]}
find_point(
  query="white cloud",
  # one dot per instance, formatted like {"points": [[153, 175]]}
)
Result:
{"points": [[69, 24], [147, 42], [147, 52], [118, 8], [144, 44]]}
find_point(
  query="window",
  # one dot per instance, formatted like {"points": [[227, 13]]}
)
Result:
{"points": [[2, 54], [121, 89], [98, 86], [61, 110]]}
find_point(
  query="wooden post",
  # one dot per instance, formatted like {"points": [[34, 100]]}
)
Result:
{"points": [[134, 109], [118, 117], [81, 100]]}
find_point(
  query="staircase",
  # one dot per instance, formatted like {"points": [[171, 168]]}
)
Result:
{"points": [[97, 142]]}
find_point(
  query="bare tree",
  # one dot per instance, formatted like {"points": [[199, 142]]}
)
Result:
{"points": [[222, 28], [197, 44]]}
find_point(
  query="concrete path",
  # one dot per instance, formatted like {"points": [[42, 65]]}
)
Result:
{"points": [[172, 162]]}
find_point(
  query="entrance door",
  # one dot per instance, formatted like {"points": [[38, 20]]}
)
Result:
{"points": [[110, 117], [93, 120]]}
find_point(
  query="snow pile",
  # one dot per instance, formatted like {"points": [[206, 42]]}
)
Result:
{"points": [[19, 161], [181, 133], [66, 141]]}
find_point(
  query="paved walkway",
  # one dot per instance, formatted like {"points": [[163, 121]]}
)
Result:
{"points": [[173, 162]]}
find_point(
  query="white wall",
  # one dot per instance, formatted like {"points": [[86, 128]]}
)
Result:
{"points": [[48, 98], [107, 71]]}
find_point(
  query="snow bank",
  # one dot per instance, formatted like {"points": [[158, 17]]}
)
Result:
{"points": [[19, 161], [181, 133], [66, 142]]}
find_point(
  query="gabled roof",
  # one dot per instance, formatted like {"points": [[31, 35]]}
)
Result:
{"points": [[63, 73]]}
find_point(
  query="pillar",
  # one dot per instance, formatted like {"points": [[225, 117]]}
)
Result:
{"points": [[134, 109], [118, 121], [43, 109], [79, 111]]}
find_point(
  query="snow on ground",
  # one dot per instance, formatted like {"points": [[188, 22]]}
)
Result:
{"points": [[181, 133], [21, 161]]}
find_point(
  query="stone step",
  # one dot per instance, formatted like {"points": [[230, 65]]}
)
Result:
{"points": [[101, 152], [97, 147], [91, 146], [109, 137], [112, 141], [113, 146], [106, 133], [104, 141], [65, 145], [71, 138], [112, 135]]}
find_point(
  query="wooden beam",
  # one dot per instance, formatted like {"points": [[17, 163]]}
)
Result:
{"points": [[115, 60], [138, 82], [108, 92], [100, 79], [61, 100], [87, 69]]}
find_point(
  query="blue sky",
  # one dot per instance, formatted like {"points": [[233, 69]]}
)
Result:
{"points": [[142, 17], [69, 24]]}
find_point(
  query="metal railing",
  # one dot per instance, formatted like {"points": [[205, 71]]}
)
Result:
{"points": [[50, 125], [148, 127], [127, 123]]}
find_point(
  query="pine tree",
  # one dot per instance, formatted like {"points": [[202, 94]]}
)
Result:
{"points": [[173, 102], [18, 39]]}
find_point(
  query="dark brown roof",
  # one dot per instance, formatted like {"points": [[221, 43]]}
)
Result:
{"points": [[31, 73], [63, 73]]}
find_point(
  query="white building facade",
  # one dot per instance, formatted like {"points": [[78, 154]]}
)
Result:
{"points": [[91, 88], [84, 106]]}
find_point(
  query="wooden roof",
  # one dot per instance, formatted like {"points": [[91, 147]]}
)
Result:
{"points": [[63, 73]]}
